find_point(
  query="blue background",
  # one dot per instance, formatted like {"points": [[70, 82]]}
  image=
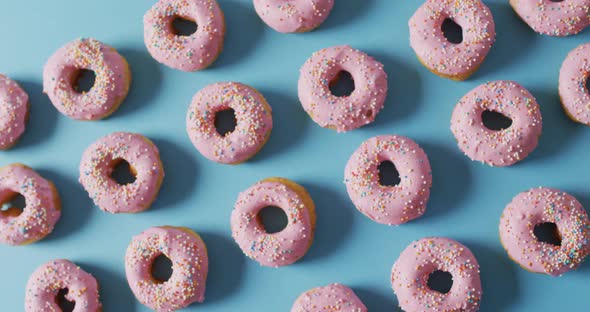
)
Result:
{"points": [[467, 197]]}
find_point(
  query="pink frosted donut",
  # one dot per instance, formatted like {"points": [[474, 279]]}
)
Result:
{"points": [[574, 73], [111, 84], [190, 266], [253, 122], [187, 53], [42, 205], [545, 205], [554, 18], [334, 297], [392, 205], [14, 112], [293, 16], [277, 249], [342, 113], [47, 281], [502, 147], [411, 272], [99, 161], [439, 55]]}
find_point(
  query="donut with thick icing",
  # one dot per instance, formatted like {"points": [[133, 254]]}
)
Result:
{"points": [[187, 53], [554, 18], [253, 118], [334, 297], [190, 265], [541, 205], [392, 205], [457, 61], [52, 277], [14, 112], [42, 205], [293, 16], [575, 97], [100, 159], [503, 147], [276, 249], [111, 83], [411, 272], [342, 113]]}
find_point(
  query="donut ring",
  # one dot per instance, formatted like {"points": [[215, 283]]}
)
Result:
{"points": [[347, 112], [392, 205], [187, 53], [540, 205], [282, 248], [46, 282], [295, 16], [575, 97], [444, 58], [410, 273], [14, 112], [504, 147], [43, 206], [554, 18], [111, 84], [99, 160], [334, 297], [190, 266], [253, 122]]}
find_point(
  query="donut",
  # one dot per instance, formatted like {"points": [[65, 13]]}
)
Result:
{"points": [[111, 84], [575, 97], [342, 113], [294, 16], [14, 112], [190, 266], [541, 205], [412, 270], [42, 209], [99, 161], [456, 61], [498, 148], [391, 205], [334, 297], [48, 280], [277, 249], [253, 118], [554, 18], [187, 53]]}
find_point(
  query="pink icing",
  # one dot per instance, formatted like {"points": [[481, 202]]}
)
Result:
{"points": [[55, 275], [541, 205], [289, 16], [188, 53], [42, 209], [14, 110], [391, 205], [97, 165], [573, 75], [277, 249], [554, 18], [411, 271], [504, 147], [190, 266], [347, 112], [253, 122], [455, 61], [334, 297], [110, 86]]}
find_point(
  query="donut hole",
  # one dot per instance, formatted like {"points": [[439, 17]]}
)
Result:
{"points": [[556, 0], [83, 80], [273, 219], [161, 269], [123, 173], [183, 26], [342, 84], [62, 302], [225, 121], [452, 31], [587, 84], [13, 204], [547, 232], [440, 281], [495, 121], [388, 174]]}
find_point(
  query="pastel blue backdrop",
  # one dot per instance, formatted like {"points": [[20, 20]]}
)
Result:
{"points": [[467, 197]]}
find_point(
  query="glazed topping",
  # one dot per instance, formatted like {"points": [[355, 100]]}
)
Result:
{"points": [[334, 297], [554, 18], [14, 107], [573, 76], [288, 16]]}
